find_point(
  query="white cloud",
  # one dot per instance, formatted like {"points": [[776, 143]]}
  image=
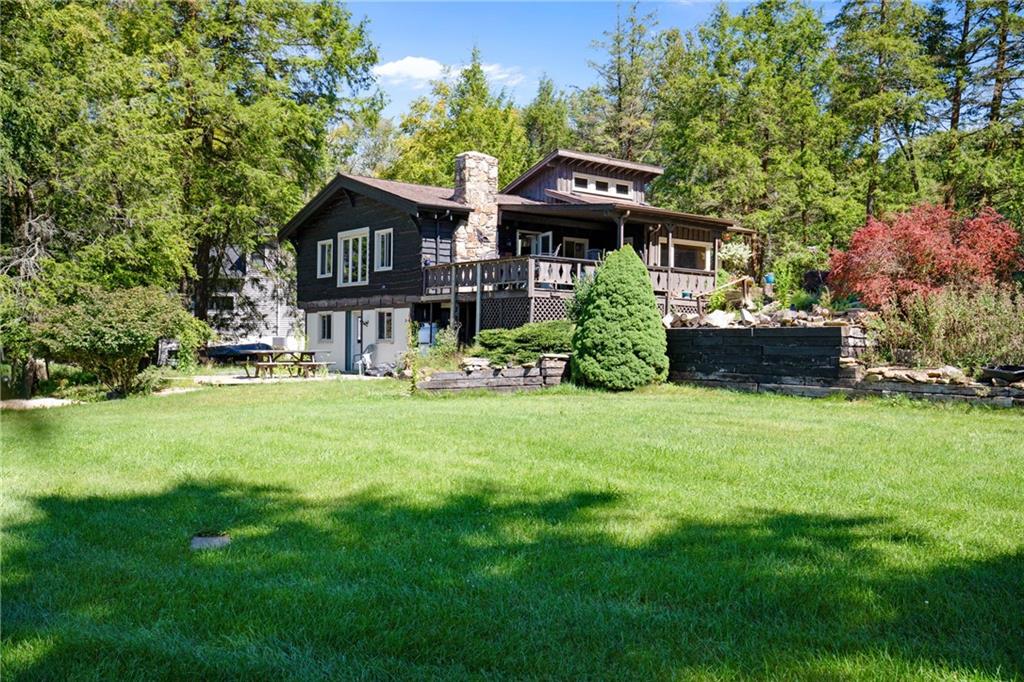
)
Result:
{"points": [[414, 71], [418, 72]]}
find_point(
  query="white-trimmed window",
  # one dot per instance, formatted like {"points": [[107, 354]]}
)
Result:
{"points": [[353, 257], [595, 184], [684, 254], [530, 243], [383, 248], [385, 326], [324, 258], [326, 326]]}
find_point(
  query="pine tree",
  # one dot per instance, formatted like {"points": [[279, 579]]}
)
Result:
{"points": [[459, 117], [547, 120], [889, 82], [617, 116]]}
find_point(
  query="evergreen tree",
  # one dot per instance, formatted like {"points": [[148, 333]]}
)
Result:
{"points": [[746, 128], [888, 84], [459, 117], [617, 116], [619, 342], [547, 120]]}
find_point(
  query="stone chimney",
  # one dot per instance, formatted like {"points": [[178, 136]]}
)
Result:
{"points": [[476, 185]]}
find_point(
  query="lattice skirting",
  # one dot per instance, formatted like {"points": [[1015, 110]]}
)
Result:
{"points": [[504, 313], [685, 307], [545, 309]]}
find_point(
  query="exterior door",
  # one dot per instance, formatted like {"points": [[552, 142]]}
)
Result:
{"points": [[353, 337], [541, 244]]}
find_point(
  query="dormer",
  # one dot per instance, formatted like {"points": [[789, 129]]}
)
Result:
{"points": [[566, 176]]}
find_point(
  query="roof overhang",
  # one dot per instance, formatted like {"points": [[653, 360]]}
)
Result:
{"points": [[593, 162], [635, 213], [347, 184]]}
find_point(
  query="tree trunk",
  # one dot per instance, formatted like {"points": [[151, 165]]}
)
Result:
{"points": [[999, 70]]}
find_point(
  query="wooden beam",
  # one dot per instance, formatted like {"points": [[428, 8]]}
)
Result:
{"points": [[479, 298]]}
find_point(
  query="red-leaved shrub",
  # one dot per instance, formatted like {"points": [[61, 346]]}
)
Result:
{"points": [[922, 251]]}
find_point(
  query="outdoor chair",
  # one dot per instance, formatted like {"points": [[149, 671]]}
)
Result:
{"points": [[364, 360]]}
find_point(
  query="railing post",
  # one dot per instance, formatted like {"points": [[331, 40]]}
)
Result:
{"points": [[454, 289], [479, 297]]}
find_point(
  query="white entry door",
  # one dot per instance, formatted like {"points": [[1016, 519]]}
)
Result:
{"points": [[541, 245]]}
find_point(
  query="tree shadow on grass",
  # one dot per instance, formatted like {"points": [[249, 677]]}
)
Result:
{"points": [[486, 583]]}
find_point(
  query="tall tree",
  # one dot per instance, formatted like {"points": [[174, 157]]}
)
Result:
{"points": [[746, 131], [889, 82], [617, 115], [466, 115], [168, 128], [547, 120]]}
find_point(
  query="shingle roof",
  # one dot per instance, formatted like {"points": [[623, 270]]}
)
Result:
{"points": [[429, 195], [599, 160]]}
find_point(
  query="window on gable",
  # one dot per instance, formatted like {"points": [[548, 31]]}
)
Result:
{"points": [[384, 246], [353, 257], [326, 326], [593, 184], [385, 326], [325, 258]]}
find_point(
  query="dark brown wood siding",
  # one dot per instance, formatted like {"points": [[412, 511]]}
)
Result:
{"points": [[436, 239], [559, 178], [403, 279]]}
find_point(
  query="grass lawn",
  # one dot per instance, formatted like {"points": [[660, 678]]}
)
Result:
{"points": [[669, 533]]}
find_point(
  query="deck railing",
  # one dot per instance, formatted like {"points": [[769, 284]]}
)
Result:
{"points": [[548, 275]]}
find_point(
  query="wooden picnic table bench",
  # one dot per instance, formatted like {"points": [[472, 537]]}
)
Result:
{"points": [[292, 361]]}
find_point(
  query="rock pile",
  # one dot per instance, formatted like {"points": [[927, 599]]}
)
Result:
{"points": [[772, 315], [936, 375]]}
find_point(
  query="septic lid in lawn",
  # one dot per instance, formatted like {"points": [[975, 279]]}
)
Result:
{"points": [[204, 540]]}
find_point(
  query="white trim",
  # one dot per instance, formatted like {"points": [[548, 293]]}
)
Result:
{"points": [[320, 274], [320, 326], [613, 184], [377, 252], [684, 242], [388, 311], [519, 243], [575, 240], [356, 234]]}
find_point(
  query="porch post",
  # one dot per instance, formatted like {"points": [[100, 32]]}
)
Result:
{"points": [[479, 296], [454, 288], [622, 230]]}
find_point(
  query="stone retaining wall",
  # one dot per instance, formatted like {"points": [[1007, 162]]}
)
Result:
{"points": [[549, 370]]}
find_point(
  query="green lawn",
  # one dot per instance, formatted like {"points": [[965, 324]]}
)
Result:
{"points": [[668, 533]]}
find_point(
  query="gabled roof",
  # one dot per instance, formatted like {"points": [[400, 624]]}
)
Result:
{"points": [[404, 196], [596, 161]]}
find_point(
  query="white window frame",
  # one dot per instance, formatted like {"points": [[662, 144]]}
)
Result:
{"points": [[575, 240], [519, 243], [684, 242], [385, 311], [360, 236], [320, 273], [378, 251], [592, 181], [320, 326]]}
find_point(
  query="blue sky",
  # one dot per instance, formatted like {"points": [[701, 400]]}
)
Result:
{"points": [[519, 41]]}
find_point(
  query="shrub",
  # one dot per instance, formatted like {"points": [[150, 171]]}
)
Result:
{"points": [[108, 333], [965, 326], [718, 300], [789, 271], [580, 290], [735, 255], [446, 344], [922, 251], [619, 342], [526, 343]]}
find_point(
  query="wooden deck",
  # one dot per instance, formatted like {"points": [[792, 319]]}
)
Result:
{"points": [[544, 277]]}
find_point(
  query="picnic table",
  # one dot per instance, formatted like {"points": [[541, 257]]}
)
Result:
{"points": [[294, 362]]}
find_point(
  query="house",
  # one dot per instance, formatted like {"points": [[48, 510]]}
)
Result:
{"points": [[373, 255], [252, 298]]}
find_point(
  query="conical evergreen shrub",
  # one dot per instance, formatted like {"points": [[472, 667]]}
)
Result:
{"points": [[619, 342]]}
